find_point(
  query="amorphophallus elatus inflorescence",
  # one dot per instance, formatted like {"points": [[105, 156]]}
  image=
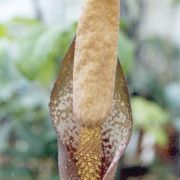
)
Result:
{"points": [[89, 104]]}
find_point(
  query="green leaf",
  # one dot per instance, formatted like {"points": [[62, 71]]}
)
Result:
{"points": [[4, 135], [160, 135], [150, 117], [3, 31], [13, 173], [125, 52], [24, 21], [39, 58], [147, 113]]}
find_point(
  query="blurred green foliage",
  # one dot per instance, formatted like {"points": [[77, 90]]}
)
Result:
{"points": [[29, 56], [126, 52], [149, 116]]}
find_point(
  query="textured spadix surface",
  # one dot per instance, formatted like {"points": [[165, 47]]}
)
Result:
{"points": [[95, 61], [116, 129]]}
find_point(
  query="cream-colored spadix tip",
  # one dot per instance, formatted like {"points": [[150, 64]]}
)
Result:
{"points": [[95, 61]]}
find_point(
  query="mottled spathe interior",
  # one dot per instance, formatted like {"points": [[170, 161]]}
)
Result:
{"points": [[116, 130], [90, 104]]}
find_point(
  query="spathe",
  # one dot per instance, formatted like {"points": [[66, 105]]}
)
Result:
{"points": [[116, 130]]}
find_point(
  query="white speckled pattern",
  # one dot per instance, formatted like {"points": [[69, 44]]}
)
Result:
{"points": [[116, 129]]}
